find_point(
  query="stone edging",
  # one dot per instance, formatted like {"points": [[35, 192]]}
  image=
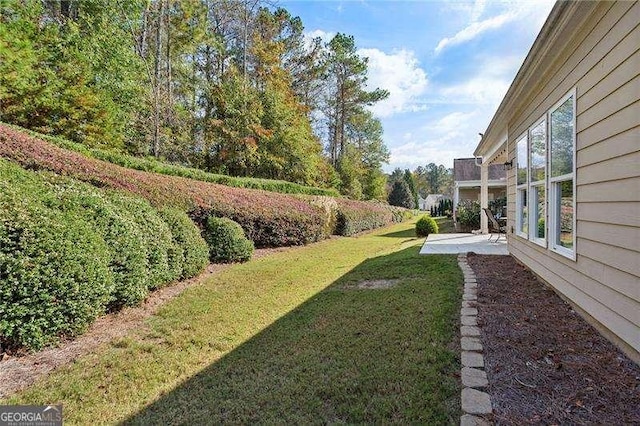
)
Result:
{"points": [[475, 402]]}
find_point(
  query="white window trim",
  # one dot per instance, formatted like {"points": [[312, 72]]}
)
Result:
{"points": [[551, 187], [520, 187], [533, 223]]}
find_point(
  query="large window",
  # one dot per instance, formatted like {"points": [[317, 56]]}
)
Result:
{"points": [[545, 180], [561, 180], [522, 166]]}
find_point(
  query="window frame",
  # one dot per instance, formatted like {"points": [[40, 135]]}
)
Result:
{"points": [[553, 184], [522, 188], [533, 223], [550, 184]]}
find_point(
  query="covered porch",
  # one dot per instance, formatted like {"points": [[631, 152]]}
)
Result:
{"points": [[493, 154]]}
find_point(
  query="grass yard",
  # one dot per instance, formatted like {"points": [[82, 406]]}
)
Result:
{"points": [[287, 338]]}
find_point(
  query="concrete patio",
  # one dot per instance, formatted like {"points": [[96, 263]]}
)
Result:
{"points": [[464, 243]]}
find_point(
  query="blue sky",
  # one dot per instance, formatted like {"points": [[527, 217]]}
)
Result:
{"points": [[447, 65]]}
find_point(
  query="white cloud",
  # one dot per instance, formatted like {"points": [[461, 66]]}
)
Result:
{"points": [[451, 124], [400, 74], [488, 86], [452, 136], [527, 11], [325, 36], [414, 153], [475, 29], [478, 10]]}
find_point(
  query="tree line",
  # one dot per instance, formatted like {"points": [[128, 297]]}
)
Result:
{"points": [[227, 86], [404, 186]]}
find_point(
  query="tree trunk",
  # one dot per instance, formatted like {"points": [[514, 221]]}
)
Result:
{"points": [[156, 83]]}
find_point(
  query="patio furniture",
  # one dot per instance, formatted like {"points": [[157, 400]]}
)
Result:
{"points": [[495, 226]]}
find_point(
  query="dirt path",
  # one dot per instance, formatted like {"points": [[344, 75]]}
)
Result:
{"points": [[545, 364], [18, 372]]}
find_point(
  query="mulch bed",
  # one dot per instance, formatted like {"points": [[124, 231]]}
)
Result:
{"points": [[545, 364]]}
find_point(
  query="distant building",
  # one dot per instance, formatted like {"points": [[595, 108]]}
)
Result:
{"points": [[429, 201], [466, 185]]}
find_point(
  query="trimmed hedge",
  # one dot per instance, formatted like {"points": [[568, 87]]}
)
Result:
{"points": [[54, 267], [70, 251], [357, 216], [156, 166], [191, 253], [269, 219], [156, 235], [128, 259], [227, 242], [426, 225]]}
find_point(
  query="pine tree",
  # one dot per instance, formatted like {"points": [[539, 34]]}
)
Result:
{"points": [[401, 195]]}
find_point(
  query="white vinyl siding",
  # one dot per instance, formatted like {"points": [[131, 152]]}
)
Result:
{"points": [[596, 57]]}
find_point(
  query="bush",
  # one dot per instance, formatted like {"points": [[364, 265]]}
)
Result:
{"points": [[541, 228], [156, 166], [156, 236], [190, 254], [54, 268], [227, 242], [269, 219], [469, 214], [124, 238], [329, 205], [426, 225], [357, 216]]}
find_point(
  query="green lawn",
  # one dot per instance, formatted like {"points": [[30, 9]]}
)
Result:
{"points": [[445, 225], [288, 338]]}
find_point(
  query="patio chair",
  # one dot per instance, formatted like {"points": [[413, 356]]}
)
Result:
{"points": [[495, 226]]}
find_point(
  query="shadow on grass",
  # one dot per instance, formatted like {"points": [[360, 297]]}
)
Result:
{"points": [[345, 355], [405, 233]]}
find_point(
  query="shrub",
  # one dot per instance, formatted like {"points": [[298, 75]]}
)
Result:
{"points": [[156, 166], [191, 253], [469, 214], [357, 216], [124, 238], [330, 207], [541, 228], [54, 273], [156, 236], [227, 242], [401, 195], [269, 219], [426, 225]]}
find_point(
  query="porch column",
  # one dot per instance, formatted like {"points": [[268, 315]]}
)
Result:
{"points": [[456, 197], [484, 196]]}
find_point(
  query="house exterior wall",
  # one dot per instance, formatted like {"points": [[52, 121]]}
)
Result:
{"points": [[600, 60], [474, 193]]}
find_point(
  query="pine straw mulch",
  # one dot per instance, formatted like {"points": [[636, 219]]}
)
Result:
{"points": [[545, 364]]}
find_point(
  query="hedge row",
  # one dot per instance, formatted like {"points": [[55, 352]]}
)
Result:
{"points": [[356, 216], [269, 219], [70, 252], [153, 165]]}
